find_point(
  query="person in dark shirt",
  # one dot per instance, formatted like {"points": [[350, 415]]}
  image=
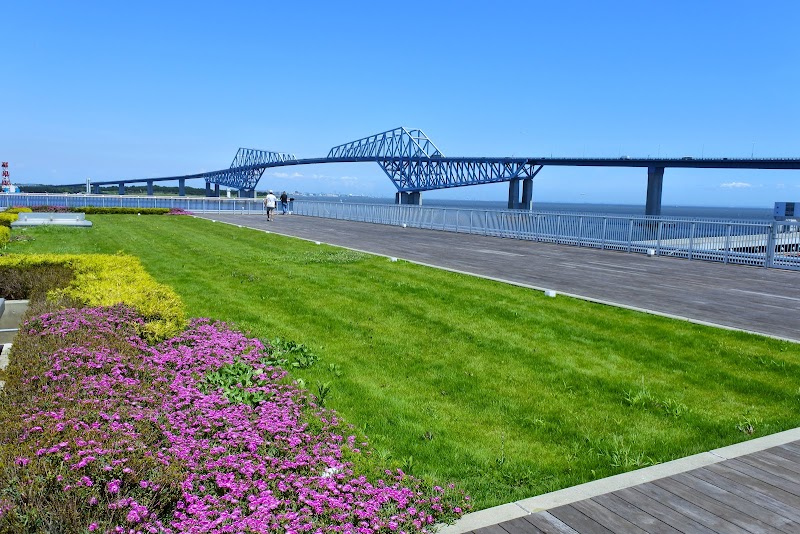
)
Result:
{"points": [[284, 203]]}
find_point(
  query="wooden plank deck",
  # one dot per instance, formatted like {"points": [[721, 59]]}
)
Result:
{"points": [[753, 494], [748, 298]]}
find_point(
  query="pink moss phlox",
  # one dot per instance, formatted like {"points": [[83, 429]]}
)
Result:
{"points": [[240, 467]]}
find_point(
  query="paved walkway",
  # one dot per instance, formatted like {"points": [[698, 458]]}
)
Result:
{"points": [[734, 296]]}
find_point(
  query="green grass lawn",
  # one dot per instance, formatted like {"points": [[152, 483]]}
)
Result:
{"points": [[497, 388]]}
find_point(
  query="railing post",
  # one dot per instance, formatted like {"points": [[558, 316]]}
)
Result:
{"points": [[485, 223], [630, 234], [580, 231], [727, 241], [605, 225], [769, 252], [658, 243], [691, 241], [558, 229]]}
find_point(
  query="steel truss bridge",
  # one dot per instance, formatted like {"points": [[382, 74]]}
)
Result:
{"points": [[415, 164]]}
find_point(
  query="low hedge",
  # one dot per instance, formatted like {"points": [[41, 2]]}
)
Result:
{"points": [[102, 280], [5, 236], [18, 209], [7, 218], [93, 210]]}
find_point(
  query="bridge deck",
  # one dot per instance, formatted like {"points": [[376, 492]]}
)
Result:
{"points": [[748, 298]]}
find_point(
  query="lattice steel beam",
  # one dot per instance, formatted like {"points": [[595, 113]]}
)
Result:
{"points": [[441, 173], [400, 142], [247, 168]]}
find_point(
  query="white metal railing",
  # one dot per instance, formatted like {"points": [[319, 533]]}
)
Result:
{"points": [[758, 243], [196, 204]]}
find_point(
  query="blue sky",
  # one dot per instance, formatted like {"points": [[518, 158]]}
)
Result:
{"points": [[108, 90]]}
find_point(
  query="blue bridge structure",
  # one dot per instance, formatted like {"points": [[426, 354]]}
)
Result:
{"points": [[415, 164]]}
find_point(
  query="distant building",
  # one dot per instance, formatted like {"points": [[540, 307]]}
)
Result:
{"points": [[6, 186]]}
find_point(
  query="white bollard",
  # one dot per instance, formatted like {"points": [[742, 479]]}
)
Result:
{"points": [[392, 259], [549, 293], [651, 252]]}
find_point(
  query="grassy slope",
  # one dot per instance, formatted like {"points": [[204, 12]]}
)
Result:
{"points": [[506, 392]]}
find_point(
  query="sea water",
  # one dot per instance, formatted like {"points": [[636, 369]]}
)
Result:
{"points": [[704, 212]]}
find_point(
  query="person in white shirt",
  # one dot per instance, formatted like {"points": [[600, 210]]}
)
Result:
{"points": [[269, 204]]}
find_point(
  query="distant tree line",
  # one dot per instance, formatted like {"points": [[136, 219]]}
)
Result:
{"points": [[113, 189]]}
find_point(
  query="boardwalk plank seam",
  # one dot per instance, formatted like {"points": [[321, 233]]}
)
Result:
{"points": [[768, 501], [653, 507], [755, 479], [651, 524], [715, 507], [579, 521]]}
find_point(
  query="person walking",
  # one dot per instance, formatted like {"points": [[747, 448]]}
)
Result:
{"points": [[269, 204], [284, 203]]}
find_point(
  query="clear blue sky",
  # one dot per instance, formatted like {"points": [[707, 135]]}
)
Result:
{"points": [[107, 90]]}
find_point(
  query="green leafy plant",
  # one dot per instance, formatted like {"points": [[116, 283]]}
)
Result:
{"points": [[237, 380], [323, 390], [289, 353]]}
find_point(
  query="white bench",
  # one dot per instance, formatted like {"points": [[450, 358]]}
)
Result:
{"points": [[60, 219]]}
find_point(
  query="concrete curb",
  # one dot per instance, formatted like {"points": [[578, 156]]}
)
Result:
{"points": [[5, 350], [507, 512]]}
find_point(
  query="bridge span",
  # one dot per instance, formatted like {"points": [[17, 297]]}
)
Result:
{"points": [[415, 164]]}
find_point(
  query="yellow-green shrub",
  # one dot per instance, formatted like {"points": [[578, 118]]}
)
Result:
{"points": [[105, 280], [5, 235], [18, 210], [7, 218]]}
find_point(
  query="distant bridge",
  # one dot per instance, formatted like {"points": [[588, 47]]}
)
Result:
{"points": [[414, 164]]}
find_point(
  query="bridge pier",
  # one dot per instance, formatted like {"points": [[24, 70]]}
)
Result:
{"points": [[655, 182], [121, 188], [96, 189], [247, 193], [182, 187], [413, 198], [149, 188], [209, 193], [527, 194]]}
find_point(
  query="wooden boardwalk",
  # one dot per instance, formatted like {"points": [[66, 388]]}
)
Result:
{"points": [[748, 298], [755, 493]]}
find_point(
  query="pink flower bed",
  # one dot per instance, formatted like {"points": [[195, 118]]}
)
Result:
{"points": [[134, 438], [50, 209]]}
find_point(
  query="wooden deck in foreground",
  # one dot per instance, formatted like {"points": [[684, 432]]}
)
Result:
{"points": [[755, 493]]}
